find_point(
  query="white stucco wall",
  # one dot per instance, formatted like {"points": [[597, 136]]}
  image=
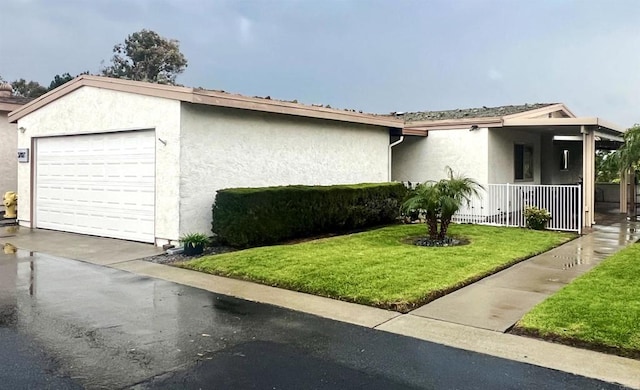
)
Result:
{"points": [[8, 159], [501, 154], [419, 159], [92, 110], [225, 148]]}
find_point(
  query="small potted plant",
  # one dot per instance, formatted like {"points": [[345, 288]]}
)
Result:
{"points": [[194, 243], [536, 218]]}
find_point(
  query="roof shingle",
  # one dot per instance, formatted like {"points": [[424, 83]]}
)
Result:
{"points": [[14, 99], [463, 113]]}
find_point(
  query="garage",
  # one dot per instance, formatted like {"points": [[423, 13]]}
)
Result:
{"points": [[141, 161], [99, 184]]}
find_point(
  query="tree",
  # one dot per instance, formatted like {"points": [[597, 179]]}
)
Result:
{"points": [[28, 89], [630, 151], [146, 56], [59, 80], [62, 79], [607, 166], [440, 200]]}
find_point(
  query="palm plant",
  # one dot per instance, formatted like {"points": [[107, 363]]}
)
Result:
{"points": [[630, 151], [439, 201]]}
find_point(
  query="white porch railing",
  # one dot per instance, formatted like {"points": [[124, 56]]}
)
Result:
{"points": [[504, 204]]}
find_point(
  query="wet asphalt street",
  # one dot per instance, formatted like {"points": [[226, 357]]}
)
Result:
{"points": [[66, 324]]}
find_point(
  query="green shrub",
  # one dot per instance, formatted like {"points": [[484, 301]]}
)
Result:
{"points": [[195, 239], [536, 218], [245, 217]]}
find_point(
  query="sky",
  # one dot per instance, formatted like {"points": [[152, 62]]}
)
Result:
{"points": [[377, 56]]}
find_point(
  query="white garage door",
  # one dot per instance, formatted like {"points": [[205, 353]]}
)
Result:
{"points": [[98, 184]]}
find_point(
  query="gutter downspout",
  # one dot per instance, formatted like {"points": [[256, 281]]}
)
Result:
{"points": [[391, 146]]}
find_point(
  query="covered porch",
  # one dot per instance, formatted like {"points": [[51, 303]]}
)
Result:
{"points": [[532, 155], [566, 157]]}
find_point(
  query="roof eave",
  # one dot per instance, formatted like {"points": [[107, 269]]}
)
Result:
{"points": [[585, 121], [451, 124], [211, 98], [541, 111], [148, 89], [219, 99]]}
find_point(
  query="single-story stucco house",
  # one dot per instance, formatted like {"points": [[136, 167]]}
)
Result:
{"points": [[141, 161], [8, 140]]}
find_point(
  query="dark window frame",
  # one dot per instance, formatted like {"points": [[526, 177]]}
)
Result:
{"points": [[523, 162]]}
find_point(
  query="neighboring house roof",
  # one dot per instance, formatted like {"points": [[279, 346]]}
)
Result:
{"points": [[10, 103], [207, 97], [481, 112]]}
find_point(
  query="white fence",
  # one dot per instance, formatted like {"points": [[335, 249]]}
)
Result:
{"points": [[504, 204]]}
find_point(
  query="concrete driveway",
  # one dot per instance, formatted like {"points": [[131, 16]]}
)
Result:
{"points": [[96, 250], [102, 327]]}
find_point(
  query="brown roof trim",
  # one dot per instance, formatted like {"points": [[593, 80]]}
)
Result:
{"points": [[585, 121], [541, 111], [8, 107], [452, 124], [205, 97], [418, 132], [222, 99]]}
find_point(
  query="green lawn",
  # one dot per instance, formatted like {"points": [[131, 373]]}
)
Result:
{"points": [[376, 268], [600, 310]]}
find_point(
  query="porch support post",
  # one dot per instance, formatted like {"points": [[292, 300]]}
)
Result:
{"points": [[624, 179], [588, 175]]}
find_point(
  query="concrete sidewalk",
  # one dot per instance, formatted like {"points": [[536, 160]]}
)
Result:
{"points": [[498, 301]]}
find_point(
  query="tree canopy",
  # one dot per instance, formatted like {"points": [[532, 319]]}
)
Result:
{"points": [[146, 56], [607, 166], [630, 151], [33, 89], [28, 89], [59, 80], [62, 79]]}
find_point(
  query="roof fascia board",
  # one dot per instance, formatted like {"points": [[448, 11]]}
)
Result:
{"points": [[279, 107], [606, 125], [45, 99], [147, 89], [585, 121], [568, 111], [550, 121], [541, 111], [203, 97], [417, 132], [455, 124], [608, 136]]}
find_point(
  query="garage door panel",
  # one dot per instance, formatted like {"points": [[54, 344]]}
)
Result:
{"points": [[99, 184]]}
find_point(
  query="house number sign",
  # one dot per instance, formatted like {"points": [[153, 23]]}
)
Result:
{"points": [[23, 155]]}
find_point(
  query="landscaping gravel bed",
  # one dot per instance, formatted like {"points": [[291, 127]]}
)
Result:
{"points": [[166, 258]]}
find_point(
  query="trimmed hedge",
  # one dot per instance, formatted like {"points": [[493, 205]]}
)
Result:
{"points": [[247, 217]]}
